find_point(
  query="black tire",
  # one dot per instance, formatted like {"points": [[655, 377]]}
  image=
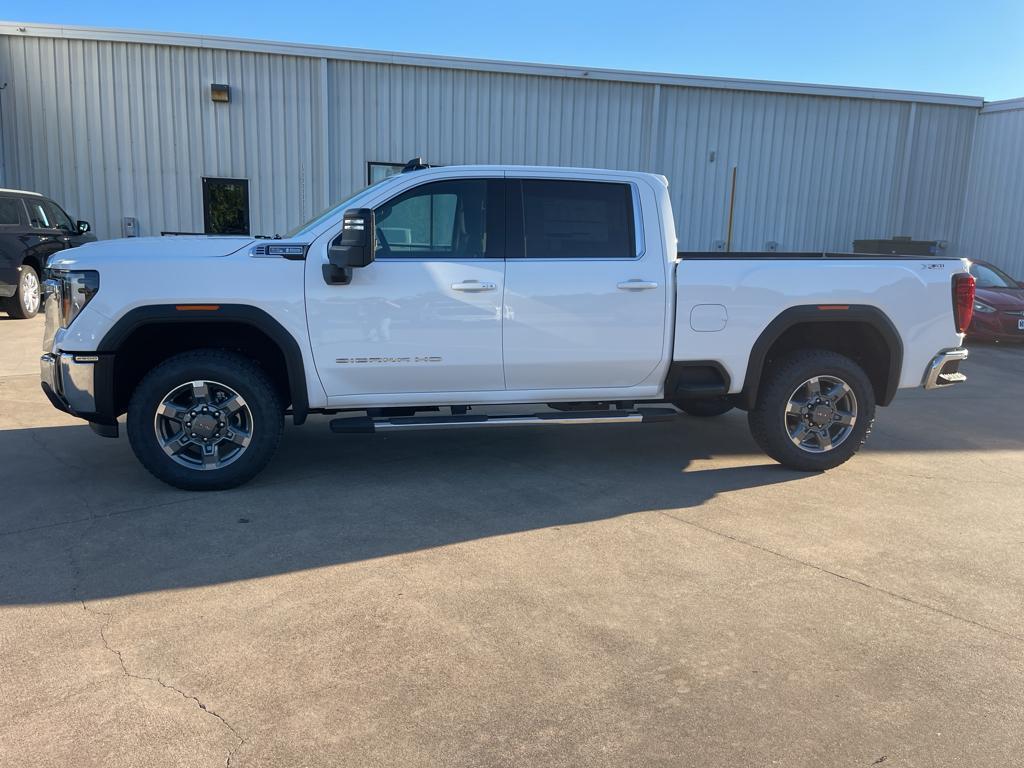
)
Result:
{"points": [[234, 371], [704, 408], [768, 422], [22, 305]]}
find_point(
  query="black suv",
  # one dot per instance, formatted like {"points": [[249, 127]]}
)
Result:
{"points": [[32, 228]]}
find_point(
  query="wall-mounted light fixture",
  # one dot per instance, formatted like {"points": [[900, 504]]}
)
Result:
{"points": [[220, 92]]}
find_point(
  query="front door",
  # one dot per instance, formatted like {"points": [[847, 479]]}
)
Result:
{"points": [[50, 229], [585, 301], [425, 316]]}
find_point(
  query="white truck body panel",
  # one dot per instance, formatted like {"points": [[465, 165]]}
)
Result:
{"points": [[550, 330], [914, 294]]}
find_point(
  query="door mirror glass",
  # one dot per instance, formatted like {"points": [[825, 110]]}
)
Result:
{"points": [[83, 227]]}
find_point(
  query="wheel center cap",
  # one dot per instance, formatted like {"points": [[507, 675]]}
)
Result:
{"points": [[821, 415], [204, 425]]}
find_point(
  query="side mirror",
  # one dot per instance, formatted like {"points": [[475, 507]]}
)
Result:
{"points": [[83, 227], [353, 248]]}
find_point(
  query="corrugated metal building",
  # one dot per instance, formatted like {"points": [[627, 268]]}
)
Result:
{"points": [[993, 223], [115, 124]]}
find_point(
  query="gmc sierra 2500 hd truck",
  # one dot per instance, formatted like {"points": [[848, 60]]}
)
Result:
{"points": [[423, 299]]}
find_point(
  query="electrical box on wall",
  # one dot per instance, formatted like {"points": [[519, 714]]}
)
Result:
{"points": [[129, 227]]}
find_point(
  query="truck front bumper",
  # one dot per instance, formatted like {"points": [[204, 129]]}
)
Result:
{"points": [[944, 369], [81, 384]]}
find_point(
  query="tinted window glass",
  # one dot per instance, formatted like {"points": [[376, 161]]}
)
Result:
{"points": [[10, 211], [57, 218], [37, 217], [578, 219], [988, 277], [446, 219]]}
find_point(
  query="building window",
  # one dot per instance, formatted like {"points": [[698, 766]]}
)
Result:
{"points": [[226, 206], [379, 171]]}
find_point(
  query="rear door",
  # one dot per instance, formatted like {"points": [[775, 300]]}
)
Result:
{"points": [[585, 299], [425, 316]]}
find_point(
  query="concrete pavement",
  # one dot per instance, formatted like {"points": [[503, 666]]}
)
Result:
{"points": [[604, 596]]}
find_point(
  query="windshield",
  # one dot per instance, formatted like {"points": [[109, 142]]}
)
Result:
{"points": [[331, 211], [990, 277]]}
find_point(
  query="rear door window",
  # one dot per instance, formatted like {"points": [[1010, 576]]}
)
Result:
{"points": [[577, 220]]}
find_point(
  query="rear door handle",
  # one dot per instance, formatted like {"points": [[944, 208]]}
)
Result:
{"points": [[637, 285], [473, 286]]}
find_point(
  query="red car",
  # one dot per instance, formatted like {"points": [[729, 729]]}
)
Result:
{"points": [[998, 305]]}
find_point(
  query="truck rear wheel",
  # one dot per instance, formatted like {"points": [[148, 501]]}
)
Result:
{"points": [[205, 420], [814, 410]]}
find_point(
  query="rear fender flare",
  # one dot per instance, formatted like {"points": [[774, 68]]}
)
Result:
{"points": [[853, 313]]}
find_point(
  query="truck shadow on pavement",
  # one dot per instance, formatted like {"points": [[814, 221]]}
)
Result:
{"points": [[82, 520], [85, 521]]}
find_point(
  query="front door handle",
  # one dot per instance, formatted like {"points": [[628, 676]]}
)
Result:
{"points": [[473, 286], [637, 285]]}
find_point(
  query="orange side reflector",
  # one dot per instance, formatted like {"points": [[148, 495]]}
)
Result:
{"points": [[833, 306], [197, 307]]}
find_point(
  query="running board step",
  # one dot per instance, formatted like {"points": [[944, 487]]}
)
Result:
{"points": [[365, 424]]}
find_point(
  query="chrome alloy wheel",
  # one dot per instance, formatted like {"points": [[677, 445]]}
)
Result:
{"points": [[203, 425], [29, 291], [821, 414]]}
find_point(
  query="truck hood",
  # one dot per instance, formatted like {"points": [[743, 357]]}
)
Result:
{"points": [[108, 252]]}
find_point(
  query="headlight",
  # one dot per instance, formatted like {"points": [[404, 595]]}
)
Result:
{"points": [[981, 306], [72, 291]]}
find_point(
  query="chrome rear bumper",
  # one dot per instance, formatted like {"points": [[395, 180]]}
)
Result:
{"points": [[944, 369]]}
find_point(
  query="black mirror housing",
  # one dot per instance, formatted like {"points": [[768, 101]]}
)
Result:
{"points": [[83, 227], [356, 244], [353, 248]]}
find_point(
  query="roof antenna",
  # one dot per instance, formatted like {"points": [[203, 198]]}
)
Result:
{"points": [[416, 164]]}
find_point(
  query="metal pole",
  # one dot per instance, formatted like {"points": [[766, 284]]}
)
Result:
{"points": [[732, 205]]}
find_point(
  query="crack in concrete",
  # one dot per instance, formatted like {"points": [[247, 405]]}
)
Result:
{"points": [[76, 570], [822, 569], [128, 673]]}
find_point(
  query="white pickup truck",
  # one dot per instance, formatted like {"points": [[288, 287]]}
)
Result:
{"points": [[424, 299]]}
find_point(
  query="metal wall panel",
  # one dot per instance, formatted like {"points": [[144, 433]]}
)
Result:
{"points": [[811, 172], [938, 169], [113, 129], [391, 113], [993, 222]]}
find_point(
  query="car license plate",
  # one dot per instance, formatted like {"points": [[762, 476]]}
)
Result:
{"points": [[1020, 324]]}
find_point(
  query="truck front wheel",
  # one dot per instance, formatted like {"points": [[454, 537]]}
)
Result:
{"points": [[814, 410], [205, 420]]}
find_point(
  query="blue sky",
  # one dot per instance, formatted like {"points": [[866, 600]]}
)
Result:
{"points": [[974, 48]]}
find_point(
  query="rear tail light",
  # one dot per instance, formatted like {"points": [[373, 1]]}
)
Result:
{"points": [[963, 301]]}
